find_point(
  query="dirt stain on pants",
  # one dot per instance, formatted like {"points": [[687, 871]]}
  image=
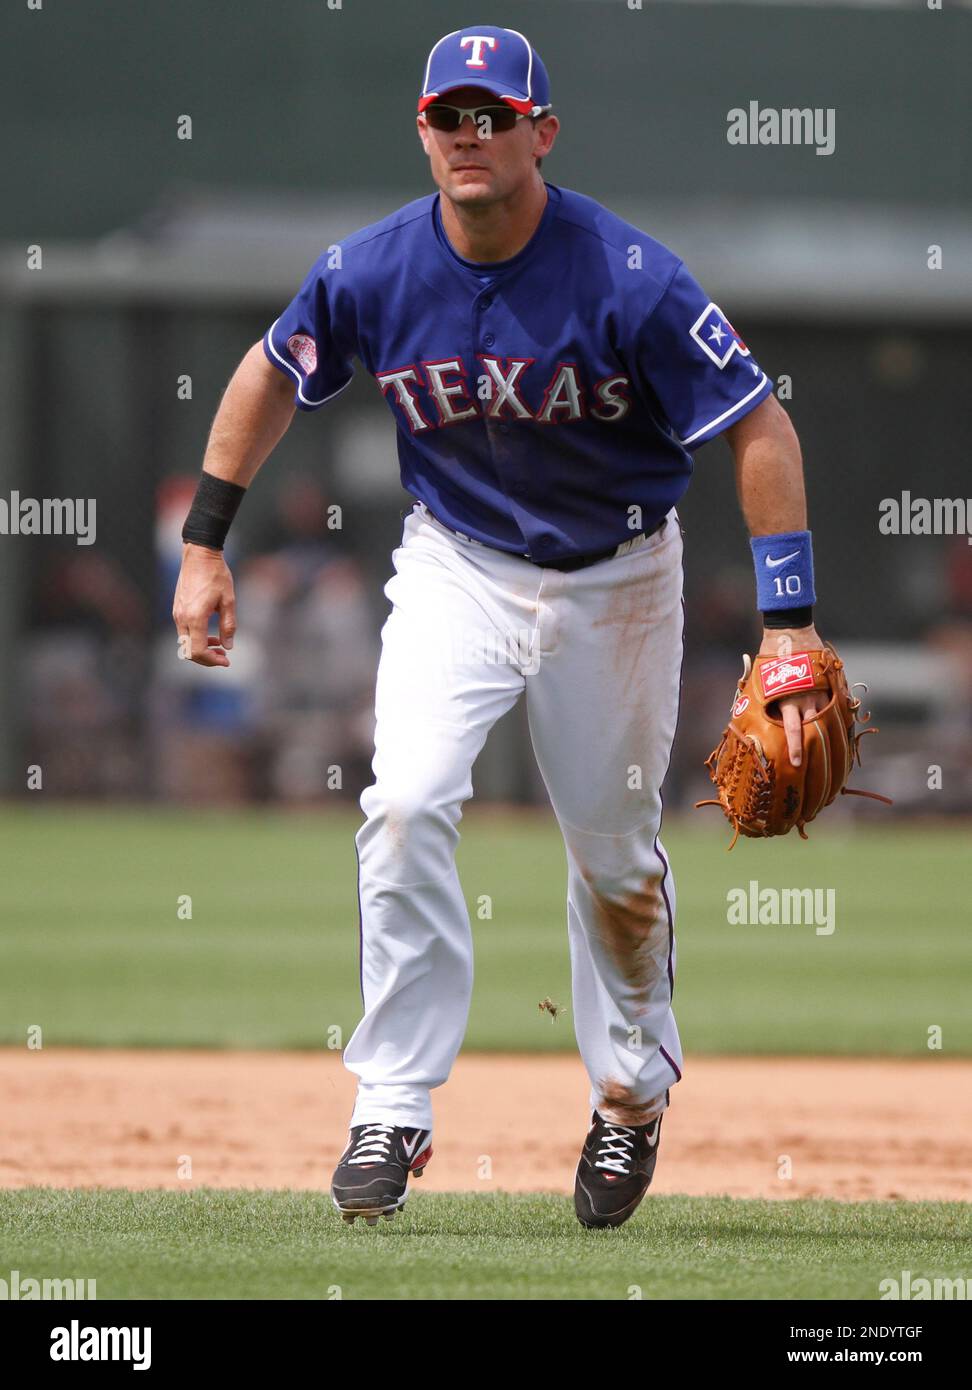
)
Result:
{"points": [[634, 929]]}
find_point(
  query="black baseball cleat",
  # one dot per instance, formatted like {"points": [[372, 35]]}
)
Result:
{"points": [[615, 1170], [371, 1178]]}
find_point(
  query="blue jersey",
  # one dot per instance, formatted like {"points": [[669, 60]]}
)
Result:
{"points": [[547, 405]]}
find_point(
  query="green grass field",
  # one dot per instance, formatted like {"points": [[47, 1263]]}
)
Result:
{"points": [[92, 947], [94, 950], [261, 1245]]}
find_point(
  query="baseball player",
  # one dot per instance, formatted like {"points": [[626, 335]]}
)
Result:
{"points": [[551, 370]]}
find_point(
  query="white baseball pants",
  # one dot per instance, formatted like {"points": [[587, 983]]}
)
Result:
{"points": [[598, 652]]}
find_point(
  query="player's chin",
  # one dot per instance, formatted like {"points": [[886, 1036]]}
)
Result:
{"points": [[471, 187]]}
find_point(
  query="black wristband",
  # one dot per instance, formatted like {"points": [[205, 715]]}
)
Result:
{"points": [[788, 617], [213, 508]]}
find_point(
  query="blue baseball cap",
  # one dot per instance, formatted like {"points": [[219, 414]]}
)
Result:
{"points": [[501, 60]]}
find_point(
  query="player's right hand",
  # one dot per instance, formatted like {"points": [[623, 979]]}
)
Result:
{"points": [[205, 587]]}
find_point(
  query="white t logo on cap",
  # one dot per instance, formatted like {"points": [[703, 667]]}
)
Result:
{"points": [[477, 40]]}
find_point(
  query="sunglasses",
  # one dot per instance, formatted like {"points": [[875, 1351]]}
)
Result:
{"points": [[490, 120]]}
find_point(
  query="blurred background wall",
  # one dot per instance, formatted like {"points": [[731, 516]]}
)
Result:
{"points": [[136, 267]]}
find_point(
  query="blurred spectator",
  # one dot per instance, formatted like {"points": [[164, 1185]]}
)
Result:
{"points": [[291, 718], [720, 625], [951, 637], [85, 671]]}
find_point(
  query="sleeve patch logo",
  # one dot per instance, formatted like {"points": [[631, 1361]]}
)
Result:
{"points": [[786, 675], [716, 336], [304, 352]]}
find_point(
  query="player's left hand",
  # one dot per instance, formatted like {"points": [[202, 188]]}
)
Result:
{"points": [[765, 787], [795, 710]]}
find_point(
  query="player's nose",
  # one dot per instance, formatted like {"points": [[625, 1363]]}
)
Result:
{"points": [[468, 133]]}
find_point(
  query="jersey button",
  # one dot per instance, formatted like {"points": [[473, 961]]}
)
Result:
{"points": [[489, 339], [504, 429]]}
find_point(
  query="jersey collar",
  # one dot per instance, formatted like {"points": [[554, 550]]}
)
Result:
{"points": [[493, 269]]}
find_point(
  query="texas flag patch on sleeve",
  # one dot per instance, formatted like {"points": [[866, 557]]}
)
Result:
{"points": [[716, 336]]}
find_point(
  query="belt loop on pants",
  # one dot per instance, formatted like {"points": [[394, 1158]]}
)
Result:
{"points": [[427, 511], [579, 562]]}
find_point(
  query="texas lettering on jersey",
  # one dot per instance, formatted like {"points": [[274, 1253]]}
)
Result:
{"points": [[593, 326], [499, 389]]}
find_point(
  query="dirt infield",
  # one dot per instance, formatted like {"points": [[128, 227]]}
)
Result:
{"points": [[850, 1129]]}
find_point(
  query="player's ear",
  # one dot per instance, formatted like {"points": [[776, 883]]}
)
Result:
{"points": [[423, 135], [545, 130]]}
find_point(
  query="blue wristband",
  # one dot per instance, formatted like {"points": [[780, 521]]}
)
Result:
{"points": [[784, 571]]}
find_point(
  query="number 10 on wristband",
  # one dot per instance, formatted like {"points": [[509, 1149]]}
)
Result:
{"points": [[784, 570]]}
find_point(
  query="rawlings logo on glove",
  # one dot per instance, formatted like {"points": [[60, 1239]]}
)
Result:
{"points": [[784, 676], [760, 791]]}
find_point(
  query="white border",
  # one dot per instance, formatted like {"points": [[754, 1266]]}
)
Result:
{"points": [[529, 48], [268, 339], [731, 411], [428, 65], [472, 82]]}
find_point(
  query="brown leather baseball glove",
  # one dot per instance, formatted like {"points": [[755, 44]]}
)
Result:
{"points": [[760, 791]]}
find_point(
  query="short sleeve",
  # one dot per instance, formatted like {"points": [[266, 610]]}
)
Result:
{"points": [[695, 362], [310, 340]]}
